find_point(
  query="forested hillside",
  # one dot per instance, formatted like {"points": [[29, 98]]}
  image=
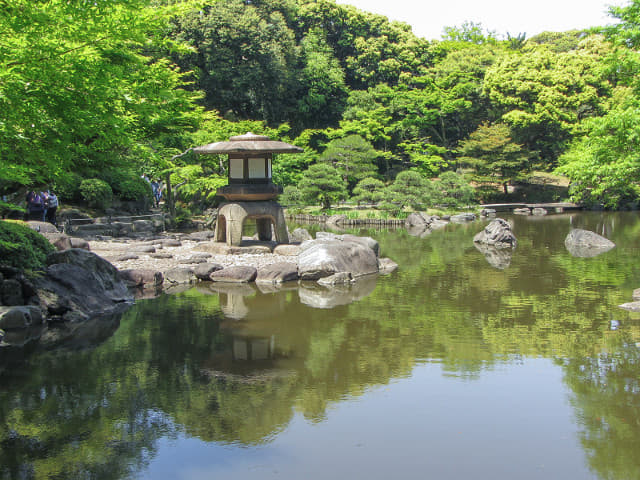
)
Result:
{"points": [[109, 90]]}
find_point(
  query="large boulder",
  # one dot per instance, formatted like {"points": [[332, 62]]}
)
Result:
{"points": [[238, 274], [180, 275], [463, 218], [497, 234], [584, 243], [326, 256], [278, 273], [141, 277], [203, 270], [299, 235], [23, 316], [79, 284]]}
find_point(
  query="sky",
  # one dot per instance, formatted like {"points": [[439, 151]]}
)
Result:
{"points": [[428, 18]]}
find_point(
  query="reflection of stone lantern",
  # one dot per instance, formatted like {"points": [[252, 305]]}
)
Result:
{"points": [[250, 192]]}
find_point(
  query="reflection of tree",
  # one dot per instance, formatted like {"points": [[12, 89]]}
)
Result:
{"points": [[176, 363], [606, 396]]}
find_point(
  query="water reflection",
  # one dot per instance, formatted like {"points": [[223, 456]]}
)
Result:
{"points": [[239, 366]]}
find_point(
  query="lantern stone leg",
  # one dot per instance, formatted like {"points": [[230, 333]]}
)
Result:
{"points": [[231, 218]]}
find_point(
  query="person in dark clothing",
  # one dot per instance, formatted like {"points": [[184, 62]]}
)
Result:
{"points": [[52, 208], [35, 206]]}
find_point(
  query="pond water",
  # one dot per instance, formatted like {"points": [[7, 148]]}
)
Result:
{"points": [[456, 366]]}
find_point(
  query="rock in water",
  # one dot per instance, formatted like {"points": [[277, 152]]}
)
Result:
{"points": [[324, 257], [584, 243], [497, 234]]}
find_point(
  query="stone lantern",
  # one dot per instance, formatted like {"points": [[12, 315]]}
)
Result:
{"points": [[250, 192]]}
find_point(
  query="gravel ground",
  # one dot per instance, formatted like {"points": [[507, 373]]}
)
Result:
{"points": [[120, 253]]}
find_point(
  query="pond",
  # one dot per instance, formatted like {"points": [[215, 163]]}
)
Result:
{"points": [[453, 367]]}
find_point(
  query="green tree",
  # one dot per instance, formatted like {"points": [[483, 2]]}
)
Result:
{"points": [[494, 154], [368, 190], [323, 81], [409, 190], [352, 157], [453, 189], [77, 91], [604, 162], [542, 95], [245, 58], [322, 184]]}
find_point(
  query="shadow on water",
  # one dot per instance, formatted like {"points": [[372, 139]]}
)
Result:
{"points": [[230, 365]]}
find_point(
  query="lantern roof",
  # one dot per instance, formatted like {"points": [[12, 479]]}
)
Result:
{"points": [[248, 143]]}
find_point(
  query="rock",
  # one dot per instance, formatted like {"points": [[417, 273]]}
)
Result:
{"points": [[79, 243], [499, 258], [203, 270], [140, 277], [488, 212], [539, 212], [336, 219], [636, 294], [23, 316], [193, 259], [161, 255], [126, 256], [278, 273], [632, 306], [324, 257], [497, 234], [179, 275], [59, 240], [417, 219], [202, 236], [11, 292], [238, 274], [584, 243], [287, 250], [143, 226], [340, 278], [218, 248], [336, 295], [386, 266], [42, 227], [366, 241], [170, 242], [522, 211], [299, 235], [143, 249], [82, 284], [463, 218]]}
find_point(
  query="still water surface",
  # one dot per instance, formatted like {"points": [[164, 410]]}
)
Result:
{"points": [[456, 366]]}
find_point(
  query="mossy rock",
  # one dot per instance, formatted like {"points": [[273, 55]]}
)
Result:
{"points": [[21, 247]]}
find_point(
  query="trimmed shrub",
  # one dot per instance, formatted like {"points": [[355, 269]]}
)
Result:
{"points": [[97, 193], [22, 247]]}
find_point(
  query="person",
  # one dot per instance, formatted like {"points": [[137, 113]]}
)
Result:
{"points": [[155, 188], [159, 194], [35, 206], [52, 208], [45, 202]]}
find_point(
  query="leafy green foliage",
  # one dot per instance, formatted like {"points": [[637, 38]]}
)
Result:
{"points": [[322, 184], [494, 155], [77, 91], [352, 156], [368, 190], [21, 247], [409, 190], [604, 164], [542, 95], [97, 193], [453, 189]]}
